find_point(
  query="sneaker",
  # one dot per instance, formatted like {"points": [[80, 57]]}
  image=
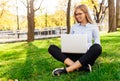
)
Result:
{"points": [[59, 71], [87, 68]]}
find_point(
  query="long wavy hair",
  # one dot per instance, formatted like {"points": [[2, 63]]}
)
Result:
{"points": [[85, 10]]}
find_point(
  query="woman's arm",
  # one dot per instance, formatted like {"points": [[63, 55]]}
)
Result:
{"points": [[96, 35]]}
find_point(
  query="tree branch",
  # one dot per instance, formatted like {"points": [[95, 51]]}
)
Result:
{"points": [[23, 3], [39, 6], [94, 6]]}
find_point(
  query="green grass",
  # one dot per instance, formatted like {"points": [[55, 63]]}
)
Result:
{"points": [[32, 62]]}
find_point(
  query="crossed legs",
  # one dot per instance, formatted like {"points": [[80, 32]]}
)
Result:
{"points": [[75, 61]]}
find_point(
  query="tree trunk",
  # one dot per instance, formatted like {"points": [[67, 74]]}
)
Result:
{"points": [[68, 16], [112, 16], [117, 13], [31, 23]]}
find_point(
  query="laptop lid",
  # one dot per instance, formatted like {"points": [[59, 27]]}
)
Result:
{"points": [[74, 43]]}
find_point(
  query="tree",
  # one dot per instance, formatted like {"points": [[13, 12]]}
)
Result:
{"points": [[68, 16], [99, 12], [112, 16], [117, 13], [30, 17], [99, 8]]}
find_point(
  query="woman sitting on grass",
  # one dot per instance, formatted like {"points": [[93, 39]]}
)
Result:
{"points": [[80, 62]]}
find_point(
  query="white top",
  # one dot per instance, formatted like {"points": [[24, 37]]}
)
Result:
{"points": [[91, 30]]}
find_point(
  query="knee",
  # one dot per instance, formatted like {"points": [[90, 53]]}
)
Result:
{"points": [[97, 47], [51, 47]]}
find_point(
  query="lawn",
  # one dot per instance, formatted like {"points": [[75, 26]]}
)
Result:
{"points": [[31, 61]]}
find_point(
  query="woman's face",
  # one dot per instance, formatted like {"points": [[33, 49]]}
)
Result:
{"points": [[80, 16]]}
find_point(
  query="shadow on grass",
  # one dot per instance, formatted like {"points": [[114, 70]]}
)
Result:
{"points": [[34, 66]]}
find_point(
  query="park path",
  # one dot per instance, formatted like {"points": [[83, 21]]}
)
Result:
{"points": [[12, 40]]}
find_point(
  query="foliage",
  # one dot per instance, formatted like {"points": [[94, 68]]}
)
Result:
{"points": [[56, 19], [32, 62], [89, 3], [7, 21], [8, 18]]}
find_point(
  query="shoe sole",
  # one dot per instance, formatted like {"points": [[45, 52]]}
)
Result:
{"points": [[90, 68]]}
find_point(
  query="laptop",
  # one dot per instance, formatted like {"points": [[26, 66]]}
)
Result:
{"points": [[74, 43]]}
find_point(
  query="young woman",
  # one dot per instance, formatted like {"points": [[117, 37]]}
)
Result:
{"points": [[84, 62]]}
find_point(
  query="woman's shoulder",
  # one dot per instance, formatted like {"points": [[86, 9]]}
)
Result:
{"points": [[92, 27]]}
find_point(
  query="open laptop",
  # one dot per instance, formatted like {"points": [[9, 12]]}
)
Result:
{"points": [[74, 43]]}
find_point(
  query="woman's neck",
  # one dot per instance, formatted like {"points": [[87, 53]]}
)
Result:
{"points": [[84, 23]]}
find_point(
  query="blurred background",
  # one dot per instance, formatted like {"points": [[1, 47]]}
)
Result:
{"points": [[35, 19]]}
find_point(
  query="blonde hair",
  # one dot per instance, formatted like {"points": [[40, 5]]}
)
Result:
{"points": [[85, 10]]}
